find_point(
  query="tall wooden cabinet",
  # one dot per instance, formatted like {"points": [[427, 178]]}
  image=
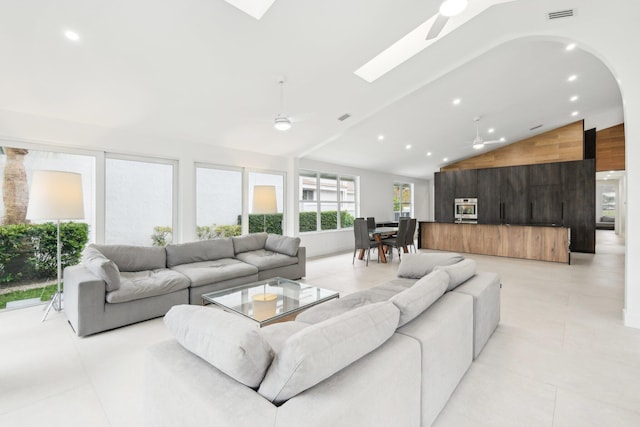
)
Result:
{"points": [[544, 194]]}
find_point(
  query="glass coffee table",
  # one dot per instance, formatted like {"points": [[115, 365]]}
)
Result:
{"points": [[269, 301]]}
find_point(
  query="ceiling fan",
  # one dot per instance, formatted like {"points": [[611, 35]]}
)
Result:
{"points": [[448, 8], [478, 142]]}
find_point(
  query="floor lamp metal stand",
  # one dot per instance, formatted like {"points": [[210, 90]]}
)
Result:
{"points": [[56, 195], [57, 297]]}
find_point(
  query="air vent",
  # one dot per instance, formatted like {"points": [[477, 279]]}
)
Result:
{"points": [[536, 127], [561, 14], [344, 117]]}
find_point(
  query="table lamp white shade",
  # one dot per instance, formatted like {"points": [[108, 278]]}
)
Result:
{"points": [[264, 199], [55, 195]]}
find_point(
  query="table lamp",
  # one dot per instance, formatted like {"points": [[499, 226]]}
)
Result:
{"points": [[56, 195]]}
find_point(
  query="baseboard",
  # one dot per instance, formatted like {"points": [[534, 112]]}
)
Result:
{"points": [[631, 320]]}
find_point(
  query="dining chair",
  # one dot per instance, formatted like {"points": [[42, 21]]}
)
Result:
{"points": [[371, 223], [411, 234], [362, 239], [400, 240]]}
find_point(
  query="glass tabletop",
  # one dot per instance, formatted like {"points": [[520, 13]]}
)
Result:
{"points": [[270, 300]]}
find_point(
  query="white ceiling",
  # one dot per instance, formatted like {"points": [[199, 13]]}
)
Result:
{"points": [[204, 71]]}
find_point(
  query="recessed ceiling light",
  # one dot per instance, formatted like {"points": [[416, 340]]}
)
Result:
{"points": [[452, 7], [610, 171], [491, 130], [572, 77], [571, 46], [575, 113], [380, 137], [72, 35], [503, 139], [456, 101], [429, 153], [574, 98], [446, 159], [408, 146]]}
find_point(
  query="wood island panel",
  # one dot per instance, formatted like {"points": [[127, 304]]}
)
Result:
{"points": [[515, 241]]}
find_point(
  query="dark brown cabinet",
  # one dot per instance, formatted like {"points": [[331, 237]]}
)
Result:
{"points": [[489, 198], [579, 204], [547, 194], [514, 195], [445, 185]]}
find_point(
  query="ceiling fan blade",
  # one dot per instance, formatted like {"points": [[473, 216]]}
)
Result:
{"points": [[437, 26], [495, 141]]}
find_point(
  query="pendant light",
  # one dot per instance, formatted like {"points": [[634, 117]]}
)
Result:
{"points": [[282, 122]]}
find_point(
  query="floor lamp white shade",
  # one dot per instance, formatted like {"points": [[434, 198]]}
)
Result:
{"points": [[56, 195], [264, 202], [264, 199]]}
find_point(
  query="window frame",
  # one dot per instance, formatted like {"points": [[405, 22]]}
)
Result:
{"points": [[339, 202], [175, 166]]}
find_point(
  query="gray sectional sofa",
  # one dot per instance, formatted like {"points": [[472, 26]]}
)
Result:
{"points": [[390, 355], [117, 285]]}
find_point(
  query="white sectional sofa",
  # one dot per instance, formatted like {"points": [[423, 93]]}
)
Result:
{"points": [[117, 285], [390, 355]]}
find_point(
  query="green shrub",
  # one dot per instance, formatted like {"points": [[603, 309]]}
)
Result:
{"points": [[162, 236], [328, 220], [206, 232], [271, 223], [29, 251]]}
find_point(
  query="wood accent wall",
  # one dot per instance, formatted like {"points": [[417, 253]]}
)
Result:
{"points": [[610, 149], [559, 145]]}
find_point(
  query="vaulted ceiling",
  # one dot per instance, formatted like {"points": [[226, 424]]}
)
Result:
{"points": [[204, 71]]}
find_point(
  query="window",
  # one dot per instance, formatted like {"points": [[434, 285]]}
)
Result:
{"points": [[28, 256], [335, 205], [139, 201], [402, 200], [218, 202]]}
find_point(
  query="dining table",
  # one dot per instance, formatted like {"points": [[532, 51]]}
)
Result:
{"points": [[378, 234]]}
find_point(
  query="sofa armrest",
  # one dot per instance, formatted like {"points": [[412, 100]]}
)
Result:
{"points": [[302, 260], [84, 297]]}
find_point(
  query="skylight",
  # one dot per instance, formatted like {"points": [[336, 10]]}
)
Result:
{"points": [[414, 42], [255, 8]]}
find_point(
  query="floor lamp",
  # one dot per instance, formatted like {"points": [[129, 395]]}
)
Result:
{"points": [[56, 195], [264, 202]]}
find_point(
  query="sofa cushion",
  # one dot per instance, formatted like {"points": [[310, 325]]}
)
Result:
{"points": [[102, 267], [278, 333], [459, 272], [249, 242], [266, 260], [208, 272], [415, 266], [135, 258], [204, 250], [336, 307], [282, 244], [413, 301], [229, 342], [145, 284], [319, 351]]}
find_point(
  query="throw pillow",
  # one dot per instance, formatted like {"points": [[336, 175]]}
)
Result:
{"points": [[227, 341], [459, 272], [415, 266], [282, 244], [413, 301], [249, 242], [319, 351], [101, 266]]}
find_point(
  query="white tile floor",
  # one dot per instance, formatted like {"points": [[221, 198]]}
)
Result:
{"points": [[560, 357]]}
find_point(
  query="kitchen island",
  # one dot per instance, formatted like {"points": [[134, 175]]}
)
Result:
{"points": [[537, 242]]}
